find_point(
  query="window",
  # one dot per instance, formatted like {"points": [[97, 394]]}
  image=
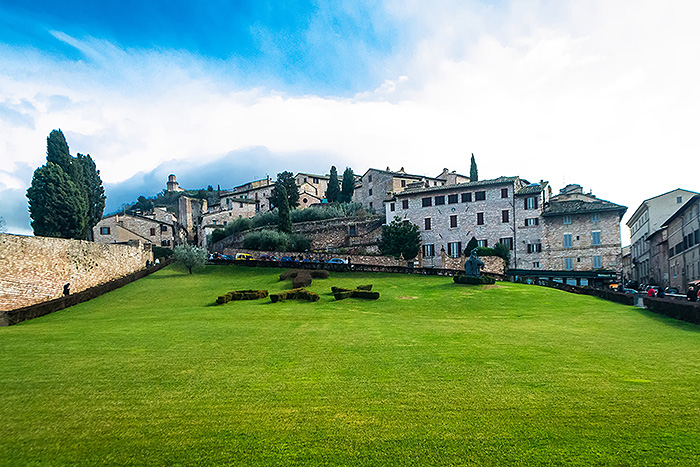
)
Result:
{"points": [[567, 220], [536, 265], [370, 204], [482, 243], [315, 180], [404, 204], [479, 218], [352, 231], [532, 221], [567, 241], [595, 237], [427, 202], [369, 179], [153, 230], [453, 221], [597, 262], [531, 202], [507, 241], [392, 207], [568, 264], [452, 199], [504, 192], [679, 199], [428, 224], [505, 216], [454, 249], [240, 205], [165, 243], [305, 200], [480, 196], [595, 217], [104, 230], [403, 183], [439, 200], [370, 192], [429, 250], [213, 222], [466, 197], [534, 248]]}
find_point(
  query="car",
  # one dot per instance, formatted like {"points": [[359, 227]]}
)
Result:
{"points": [[629, 291], [287, 259], [244, 257], [268, 258], [672, 290], [337, 261]]}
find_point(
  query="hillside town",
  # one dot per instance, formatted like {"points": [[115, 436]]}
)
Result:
{"points": [[569, 235]]}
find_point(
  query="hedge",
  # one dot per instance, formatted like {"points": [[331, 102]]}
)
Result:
{"points": [[294, 294], [685, 311], [236, 295], [471, 280], [362, 291]]}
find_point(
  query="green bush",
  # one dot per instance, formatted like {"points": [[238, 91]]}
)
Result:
{"points": [[299, 243], [295, 294], [341, 293], [235, 295], [471, 280], [238, 225], [266, 240], [162, 252]]}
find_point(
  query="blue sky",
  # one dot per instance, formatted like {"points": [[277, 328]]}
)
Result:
{"points": [[599, 93]]}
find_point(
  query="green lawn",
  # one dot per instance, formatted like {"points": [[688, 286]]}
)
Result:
{"points": [[432, 373]]}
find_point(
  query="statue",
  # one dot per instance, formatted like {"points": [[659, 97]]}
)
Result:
{"points": [[472, 266]]}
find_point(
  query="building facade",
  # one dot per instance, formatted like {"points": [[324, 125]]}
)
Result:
{"points": [[572, 237], [378, 186], [158, 228], [684, 244], [258, 191], [646, 220]]}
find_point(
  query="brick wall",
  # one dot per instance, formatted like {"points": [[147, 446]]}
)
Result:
{"points": [[35, 269]]}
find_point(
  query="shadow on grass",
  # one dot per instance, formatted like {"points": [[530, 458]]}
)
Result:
{"points": [[668, 321]]}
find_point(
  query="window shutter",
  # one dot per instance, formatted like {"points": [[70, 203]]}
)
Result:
{"points": [[537, 221], [459, 248], [536, 203], [525, 199]]}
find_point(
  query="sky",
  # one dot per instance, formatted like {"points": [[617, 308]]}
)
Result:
{"points": [[600, 93]]}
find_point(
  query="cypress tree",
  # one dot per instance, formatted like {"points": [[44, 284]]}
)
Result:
{"points": [[348, 185], [286, 179], [333, 192], [66, 197], [473, 243], [473, 171], [284, 220]]}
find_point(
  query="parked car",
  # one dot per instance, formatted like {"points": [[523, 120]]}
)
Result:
{"points": [[269, 258], [672, 290], [629, 291], [337, 261], [244, 257], [287, 259]]}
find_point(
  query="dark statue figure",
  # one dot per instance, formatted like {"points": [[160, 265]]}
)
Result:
{"points": [[472, 266]]}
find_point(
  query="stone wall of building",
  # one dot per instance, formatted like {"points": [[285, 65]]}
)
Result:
{"points": [[582, 250], [35, 269], [121, 228], [492, 264]]}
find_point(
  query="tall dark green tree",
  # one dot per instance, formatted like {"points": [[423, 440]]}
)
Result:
{"points": [[94, 191], [400, 239], [473, 243], [473, 171], [284, 219], [333, 191], [348, 185], [66, 198], [286, 179], [57, 205]]}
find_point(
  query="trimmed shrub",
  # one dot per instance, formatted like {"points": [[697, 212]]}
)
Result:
{"points": [[320, 274], [241, 295], [295, 294], [302, 279], [470, 280], [341, 293], [685, 311]]}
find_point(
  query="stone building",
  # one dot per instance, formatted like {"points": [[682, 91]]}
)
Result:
{"points": [[626, 263], [573, 237], [218, 216], [448, 216], [658, 257], [377, 186], [312, 188], [259, 191], [684, 244], [646, 220], [581, 237], [158, 228], [172, 184]]}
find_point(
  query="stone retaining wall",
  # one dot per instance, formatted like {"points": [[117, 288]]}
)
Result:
{"points": [[35, 269]]}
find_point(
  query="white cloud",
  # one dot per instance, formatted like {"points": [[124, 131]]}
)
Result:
{"points": [[603, 94]]}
